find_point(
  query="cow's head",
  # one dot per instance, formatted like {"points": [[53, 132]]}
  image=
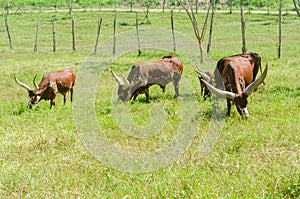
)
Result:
{"points": [[239, 99], [33, 96], [124, 91], [207, 76]]}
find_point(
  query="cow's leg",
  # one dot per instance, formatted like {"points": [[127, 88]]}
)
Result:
{"points": [[52, 103], [135, 96], [176, 79], [71, 94], [65, 98], [147, 95], [228, 107], [163, 88]]}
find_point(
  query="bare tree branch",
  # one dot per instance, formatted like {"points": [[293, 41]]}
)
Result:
{"points": [[190, 12]]}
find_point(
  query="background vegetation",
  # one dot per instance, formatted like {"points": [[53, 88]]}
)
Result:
{"points": [[221, 4], [41, 155]]}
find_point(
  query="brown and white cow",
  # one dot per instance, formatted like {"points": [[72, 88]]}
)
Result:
{"points": [[60, 81], [145, 74], [237, 74]]}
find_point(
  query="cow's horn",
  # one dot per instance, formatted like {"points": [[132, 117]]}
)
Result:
{"points": [[257, 82], [219, 92], [22, 84], [203, 75], [118, 79], [126, 80], [35, 84]]}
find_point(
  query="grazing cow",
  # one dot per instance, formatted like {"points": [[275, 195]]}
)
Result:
{"points": [[145, 74], [60, 81], [238, 73], [207, 76]]}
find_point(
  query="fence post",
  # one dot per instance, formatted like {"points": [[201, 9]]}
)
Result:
{"points": [[243, 23], [211, 25], [137, 33], [98, 35], [115, 24], [73, 35], [53, 33], [280, 32], [173, 33], [36, 37]]}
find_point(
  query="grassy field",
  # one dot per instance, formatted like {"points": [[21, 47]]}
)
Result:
{"points": [[44, 155]]}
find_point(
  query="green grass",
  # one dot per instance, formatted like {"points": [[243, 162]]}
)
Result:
{"points": [[42, 156]]}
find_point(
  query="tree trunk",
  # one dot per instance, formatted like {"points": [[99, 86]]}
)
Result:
{"points": [[8, 31], [163, 5], [296, 8]]}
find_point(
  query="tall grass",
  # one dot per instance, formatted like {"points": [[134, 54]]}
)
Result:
{"points": [[42, 156]]}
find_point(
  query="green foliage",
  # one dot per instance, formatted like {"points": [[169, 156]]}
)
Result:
{"points": [[110, 3]]}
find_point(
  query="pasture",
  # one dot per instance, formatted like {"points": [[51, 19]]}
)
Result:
{"points": [[42, 154]]}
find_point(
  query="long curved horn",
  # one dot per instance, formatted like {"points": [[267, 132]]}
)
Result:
{"points": [[250, 88], [22, 84], [219, 92], [203, 75], [126, 80], [118, 79], [35, 84]]}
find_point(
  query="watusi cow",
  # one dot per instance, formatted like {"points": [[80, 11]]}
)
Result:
{"points": [[52, 83], [207, 76], [145, 74], [237, 74]]}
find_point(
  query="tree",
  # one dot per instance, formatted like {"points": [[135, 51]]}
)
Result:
{"points": [[190, 12]]}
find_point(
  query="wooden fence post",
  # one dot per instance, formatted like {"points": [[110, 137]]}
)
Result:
{"points": [[280, 26], [137, 33], [73, 35], [115, 24], [213, 2], [243, 23], [98, 35], [53, 33], [173, 33], [36, 37]]}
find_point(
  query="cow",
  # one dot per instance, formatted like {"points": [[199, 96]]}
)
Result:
{"points": [[52, 83], [235, 80], [207, 76], [145, 74]]}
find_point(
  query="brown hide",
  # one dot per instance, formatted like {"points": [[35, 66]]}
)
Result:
{"points": [[145, 74], [234, 74], [243, 66], [52, 83]]}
